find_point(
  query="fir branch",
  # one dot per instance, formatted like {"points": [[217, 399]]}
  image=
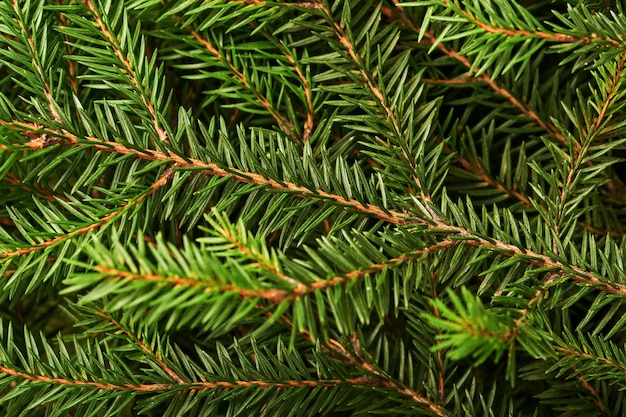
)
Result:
{"points": [[356, 275], [578, 274], [129, 70], [37, 190], [357, 360], [273, 295], [192, 386], [83, 230], [32, 48], [405, 191], [500, 90], [283, 123], [70, 139]]}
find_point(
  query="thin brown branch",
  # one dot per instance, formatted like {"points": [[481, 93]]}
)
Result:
{"points": [[462, 80], [371, 84], [271, 294], [283, 123], [582, 150], [375, 268], [71, 66], [553, 37], [260, 260], [576, 273], [102, 221], [612, 92], [33, 189], [308, 93], [338, 351], [7, 221], [398, 12], [375, 90], [136, 340], [193, 386], [32, 51], [129, 72], [595, 397], [386, 380], [211, 168], [477, 170]]}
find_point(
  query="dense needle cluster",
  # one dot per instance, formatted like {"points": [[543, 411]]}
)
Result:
{"points": [[267, 208]]}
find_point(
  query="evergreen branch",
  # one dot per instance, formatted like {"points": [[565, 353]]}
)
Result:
{"points": [[584, 153], [578, 274], [355, 357], [36, 144], [376, 91], [503, 92], [36, 190], [245, 245], [441, 383], [387, 381], [320, 214], [129, 70], [306, 87], [595, 397], [591, 356], [454, 81], [191, 386], [310, 113], [142, 346], [523, 33], [273, 295], [355, 275], [69, 139], [70, 63], [283, 123], [477, 170], [35, 59], [611, 94], [614, 185], [371, 83]]}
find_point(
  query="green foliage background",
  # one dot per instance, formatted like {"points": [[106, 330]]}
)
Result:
{"points": [[243, 208]]}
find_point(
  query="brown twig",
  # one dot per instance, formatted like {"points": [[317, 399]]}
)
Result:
{"points": [[128, 70], [4, 254]]}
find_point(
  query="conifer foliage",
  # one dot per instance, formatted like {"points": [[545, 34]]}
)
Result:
{"points": [[320, 208]]}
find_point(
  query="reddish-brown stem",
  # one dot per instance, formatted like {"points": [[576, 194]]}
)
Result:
{"points": [[33, 189], [260, 260], [104, 220], [271, 294], [194, 386], [128, 70], [211, 168], [285, 125], [553, 37], [136, 340], [70, 63], [32, 50]]}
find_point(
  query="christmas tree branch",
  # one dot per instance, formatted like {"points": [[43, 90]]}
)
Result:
{"points": [[510, 250], [34, 144], [130, 68], [283, 123]]}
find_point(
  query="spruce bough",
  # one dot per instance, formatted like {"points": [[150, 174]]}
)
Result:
{"points": [[242, 208]]}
